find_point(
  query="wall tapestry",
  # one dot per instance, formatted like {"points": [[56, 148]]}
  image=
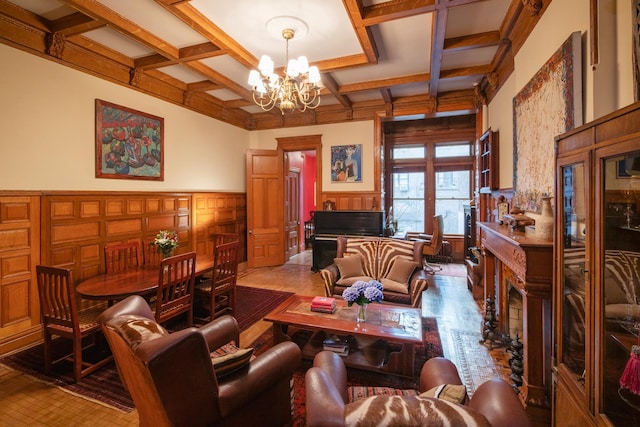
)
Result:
{"points": [[346, 163], [129, 143], [549, 105]]}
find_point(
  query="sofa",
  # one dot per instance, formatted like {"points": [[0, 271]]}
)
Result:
{"points": [[440, 400], [192, 377], [396, 263]]}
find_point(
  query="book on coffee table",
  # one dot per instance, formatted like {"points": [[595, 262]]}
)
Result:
{"points": [[336, 344], [323, 304]]}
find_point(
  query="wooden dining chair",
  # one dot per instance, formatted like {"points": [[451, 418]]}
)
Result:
{"points": [[61, 317], [218, 293], [150, 254], [121, 256], [175, 287]]}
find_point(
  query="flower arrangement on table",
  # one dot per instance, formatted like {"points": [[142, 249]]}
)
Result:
{"points": [[166, 241], [363, 293]]}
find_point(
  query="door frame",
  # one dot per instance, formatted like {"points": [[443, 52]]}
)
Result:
{"points": [[303, 143]]}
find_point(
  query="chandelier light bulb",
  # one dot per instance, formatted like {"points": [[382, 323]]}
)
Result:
{"points": [[254, 78], [266, 65], [314, 75], [303, 65], [292, 68]]}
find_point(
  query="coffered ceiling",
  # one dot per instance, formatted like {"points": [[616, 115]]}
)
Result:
{"points": [[399, 58]]}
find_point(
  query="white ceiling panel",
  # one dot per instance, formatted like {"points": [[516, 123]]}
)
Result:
{"points": [[116, 41]]}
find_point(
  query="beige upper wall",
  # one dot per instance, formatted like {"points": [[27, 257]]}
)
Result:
{"points": [[47, 117], [610, 82], [337, 134]]}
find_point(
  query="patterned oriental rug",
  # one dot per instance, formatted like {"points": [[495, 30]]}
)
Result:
{"points": [[432, 347], [104, 386]]}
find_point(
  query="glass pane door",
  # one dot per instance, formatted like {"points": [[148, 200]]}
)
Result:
{"points": [[619, 271], [574, 276], [453, 191], [408, 201]]}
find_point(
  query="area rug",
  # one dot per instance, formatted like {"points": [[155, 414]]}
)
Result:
{"points": [[475, 363], [104, 385], [432, 347]]}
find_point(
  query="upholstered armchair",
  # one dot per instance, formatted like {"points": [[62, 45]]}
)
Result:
{"points": [[396, 263], [329, 402], [173, 382]]}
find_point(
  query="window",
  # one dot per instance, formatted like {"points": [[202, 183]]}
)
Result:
{"points": [[450, 198], [449, 150], [427, 179], [408, 152], [408, 201]]}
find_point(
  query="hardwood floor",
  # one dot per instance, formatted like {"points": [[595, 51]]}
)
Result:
{"points": [[28, 402]]}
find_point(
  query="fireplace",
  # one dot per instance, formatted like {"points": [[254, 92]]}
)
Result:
{"points": [[518, 273]]}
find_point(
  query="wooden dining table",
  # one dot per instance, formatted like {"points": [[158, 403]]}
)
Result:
{"points": [[142, 280]]}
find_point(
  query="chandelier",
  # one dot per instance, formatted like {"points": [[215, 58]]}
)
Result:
{"points": [[297, 89]]}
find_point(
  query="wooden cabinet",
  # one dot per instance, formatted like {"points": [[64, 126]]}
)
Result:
{"points": [[597, 274], [19, 254], [488, 162]]}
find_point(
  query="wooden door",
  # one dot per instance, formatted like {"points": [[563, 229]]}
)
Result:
{"points": [[265, 217], [292, 212]]}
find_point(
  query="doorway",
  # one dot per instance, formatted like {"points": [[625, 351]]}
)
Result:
{"points": [[302, 187]]}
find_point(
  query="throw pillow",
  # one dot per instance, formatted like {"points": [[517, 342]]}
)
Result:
{"points": [[358, 392], [450, 392], [401, 270], [397, 279], [349, 266], [137, 329], [391, 285], [229, 358], [410, 411]]}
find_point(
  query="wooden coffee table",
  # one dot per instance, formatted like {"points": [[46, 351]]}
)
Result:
{"points": [[384, 343]]}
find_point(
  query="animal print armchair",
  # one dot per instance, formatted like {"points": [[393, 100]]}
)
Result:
{"points": [[397, 264]]}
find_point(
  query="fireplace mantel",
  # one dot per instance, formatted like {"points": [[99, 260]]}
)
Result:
{"points": [[510, 255]]}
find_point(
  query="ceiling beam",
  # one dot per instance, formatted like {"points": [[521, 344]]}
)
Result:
{"points": [[391, 10], [76, 23], [193, 18], [330, 84], [437, 46], [203, 86], [474, 41], [385, 83], [363, 32], [119, 23]]}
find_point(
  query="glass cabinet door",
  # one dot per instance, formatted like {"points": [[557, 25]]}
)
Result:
{"points": [[618, 268], [574, 278]]}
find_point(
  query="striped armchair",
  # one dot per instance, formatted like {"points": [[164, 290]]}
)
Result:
{"points": [[397, 264]]}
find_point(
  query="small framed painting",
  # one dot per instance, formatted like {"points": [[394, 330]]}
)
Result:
{"points": [[129, 143], [346, 163]]}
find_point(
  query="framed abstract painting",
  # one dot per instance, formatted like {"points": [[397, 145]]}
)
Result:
{"points": [[129, 143], [346, 163]]}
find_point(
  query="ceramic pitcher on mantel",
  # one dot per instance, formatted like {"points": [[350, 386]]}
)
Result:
{"points": [[544, 224]]}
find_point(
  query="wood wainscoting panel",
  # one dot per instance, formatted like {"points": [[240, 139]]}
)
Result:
{"points": [[19, 254], [219, 213], [354, 201], [70, 230], [90, 209]]}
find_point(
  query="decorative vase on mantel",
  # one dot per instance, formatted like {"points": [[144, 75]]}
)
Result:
{"points": [[544, 224]]}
